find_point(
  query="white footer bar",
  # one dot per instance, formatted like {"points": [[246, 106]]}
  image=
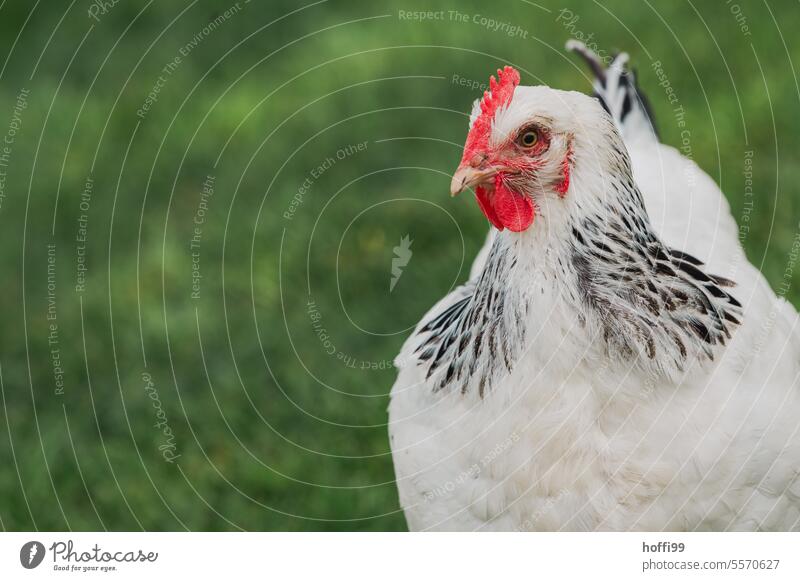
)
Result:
{"points": [[403, 556]]}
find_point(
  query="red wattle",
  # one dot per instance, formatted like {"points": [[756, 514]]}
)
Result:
{"points": [[505, 208], [514, 210], [485, 204]]}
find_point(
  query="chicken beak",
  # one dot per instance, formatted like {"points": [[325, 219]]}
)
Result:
{"points": [[467, 176]]}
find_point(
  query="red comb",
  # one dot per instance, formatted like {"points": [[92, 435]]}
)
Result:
{"points": [[499, 94]]}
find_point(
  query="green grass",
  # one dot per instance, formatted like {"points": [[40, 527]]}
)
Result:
{"points": [[276, 409]]}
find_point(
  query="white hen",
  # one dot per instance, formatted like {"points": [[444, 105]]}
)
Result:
{"points": [[614, 363]]}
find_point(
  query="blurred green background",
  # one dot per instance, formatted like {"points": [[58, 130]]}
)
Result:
{"points": [[241, 381]]}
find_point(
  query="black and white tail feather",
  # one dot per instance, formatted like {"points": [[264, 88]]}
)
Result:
{"points": [[617, 89]]}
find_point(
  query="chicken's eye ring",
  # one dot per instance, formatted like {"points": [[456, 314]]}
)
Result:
{"points": [[529, 138]]}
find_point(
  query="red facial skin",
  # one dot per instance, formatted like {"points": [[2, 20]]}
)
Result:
{"points": [[563, 186], [502, 205]]}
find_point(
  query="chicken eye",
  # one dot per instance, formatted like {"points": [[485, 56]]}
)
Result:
{"points": [[529, 138]]}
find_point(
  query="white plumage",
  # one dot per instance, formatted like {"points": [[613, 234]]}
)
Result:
{"points": [[545, 394]]}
